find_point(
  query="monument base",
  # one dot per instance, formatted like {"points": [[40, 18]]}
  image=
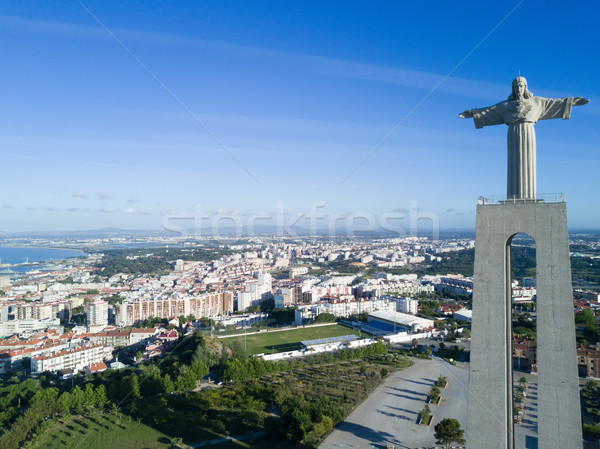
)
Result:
{"points": [[490, 405]]}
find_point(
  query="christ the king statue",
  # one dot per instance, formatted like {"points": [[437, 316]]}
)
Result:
{"points": [[520, 112]]}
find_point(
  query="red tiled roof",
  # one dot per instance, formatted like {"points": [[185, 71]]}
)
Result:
{"points": [[97, 367], [143, 330], [64, 352]]}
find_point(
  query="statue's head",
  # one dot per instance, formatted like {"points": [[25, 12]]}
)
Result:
{"points": [[519, 89]]}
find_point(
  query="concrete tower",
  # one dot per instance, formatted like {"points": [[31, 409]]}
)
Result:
{"points": [[490, 405]]}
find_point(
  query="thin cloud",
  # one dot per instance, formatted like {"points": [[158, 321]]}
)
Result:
{"points": [[105, 196], [133, 200], [43, 208], [77, 209], [131, 211], [400, 76], [80, 195], [7, 206]]}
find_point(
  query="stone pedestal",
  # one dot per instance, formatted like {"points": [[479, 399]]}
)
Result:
{"points": [[489, 414]]}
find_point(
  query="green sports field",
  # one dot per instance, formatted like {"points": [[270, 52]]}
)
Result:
{"points": [[268, 342]]}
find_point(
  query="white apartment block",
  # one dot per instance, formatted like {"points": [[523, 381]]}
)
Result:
{"points": [[75, 359], [347, 308], [97, 313], [455, 284], [255, 291], [40, 310], [11, 359], [407, 305], [28, 326]]}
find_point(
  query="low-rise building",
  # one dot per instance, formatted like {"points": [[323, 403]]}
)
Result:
{"points": [[114, 338], [142, 335], [94, 368], [410, 322], [525, 354], [588, 361]]}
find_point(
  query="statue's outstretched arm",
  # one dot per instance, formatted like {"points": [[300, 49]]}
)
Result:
{"points": [[580, 101]]}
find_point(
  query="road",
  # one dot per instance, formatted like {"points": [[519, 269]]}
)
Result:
{"points": [[389, 414]]}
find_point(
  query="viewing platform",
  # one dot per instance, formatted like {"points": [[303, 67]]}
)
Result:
{"points": [[503, 199]]}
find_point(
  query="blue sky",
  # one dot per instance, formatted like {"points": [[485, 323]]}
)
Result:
{"points": [[119, 115]]}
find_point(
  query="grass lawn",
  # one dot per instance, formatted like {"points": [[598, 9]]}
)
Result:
{"points": [[100, 431], [288, 340]]}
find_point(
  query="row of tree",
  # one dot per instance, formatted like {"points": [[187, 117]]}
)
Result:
{"points": [[47, 402], [239, 369]]}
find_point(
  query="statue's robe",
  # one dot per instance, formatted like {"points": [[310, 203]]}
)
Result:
{"points": [[520, 116]]}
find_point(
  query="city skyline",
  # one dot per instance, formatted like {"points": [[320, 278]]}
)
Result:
{"points": [[122, 115]]}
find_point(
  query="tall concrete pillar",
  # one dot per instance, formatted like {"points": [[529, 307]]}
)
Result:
{"points": [[489, 414]]}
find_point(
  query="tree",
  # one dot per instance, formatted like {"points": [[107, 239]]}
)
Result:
{"points": [[434, 394], [325, 318], [66, 402], [447, 431], [585, 317], [134, 386], [267, 305], [167, 384], [415, 342], [425, 415], [100, 397], [442, 381], [200, 369]]}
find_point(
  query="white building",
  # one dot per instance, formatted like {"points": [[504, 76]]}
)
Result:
{"points": [[28, 326], [256, 291], [131, 311], [407, 305], [39, 310], [75, 359], [357, 307], [455, 284], [97, 313], [464, 314], [411, 322]]}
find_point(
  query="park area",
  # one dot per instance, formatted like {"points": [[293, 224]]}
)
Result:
{"points": [[100, 430], [274, 341]]}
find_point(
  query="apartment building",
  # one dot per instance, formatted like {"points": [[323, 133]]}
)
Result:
{"points": [[132, 311], [97, 313], [75, 359], [42, 310]]}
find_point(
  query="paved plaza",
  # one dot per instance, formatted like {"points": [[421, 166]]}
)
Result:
{"points": [[526, 431], [389, 415]]}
